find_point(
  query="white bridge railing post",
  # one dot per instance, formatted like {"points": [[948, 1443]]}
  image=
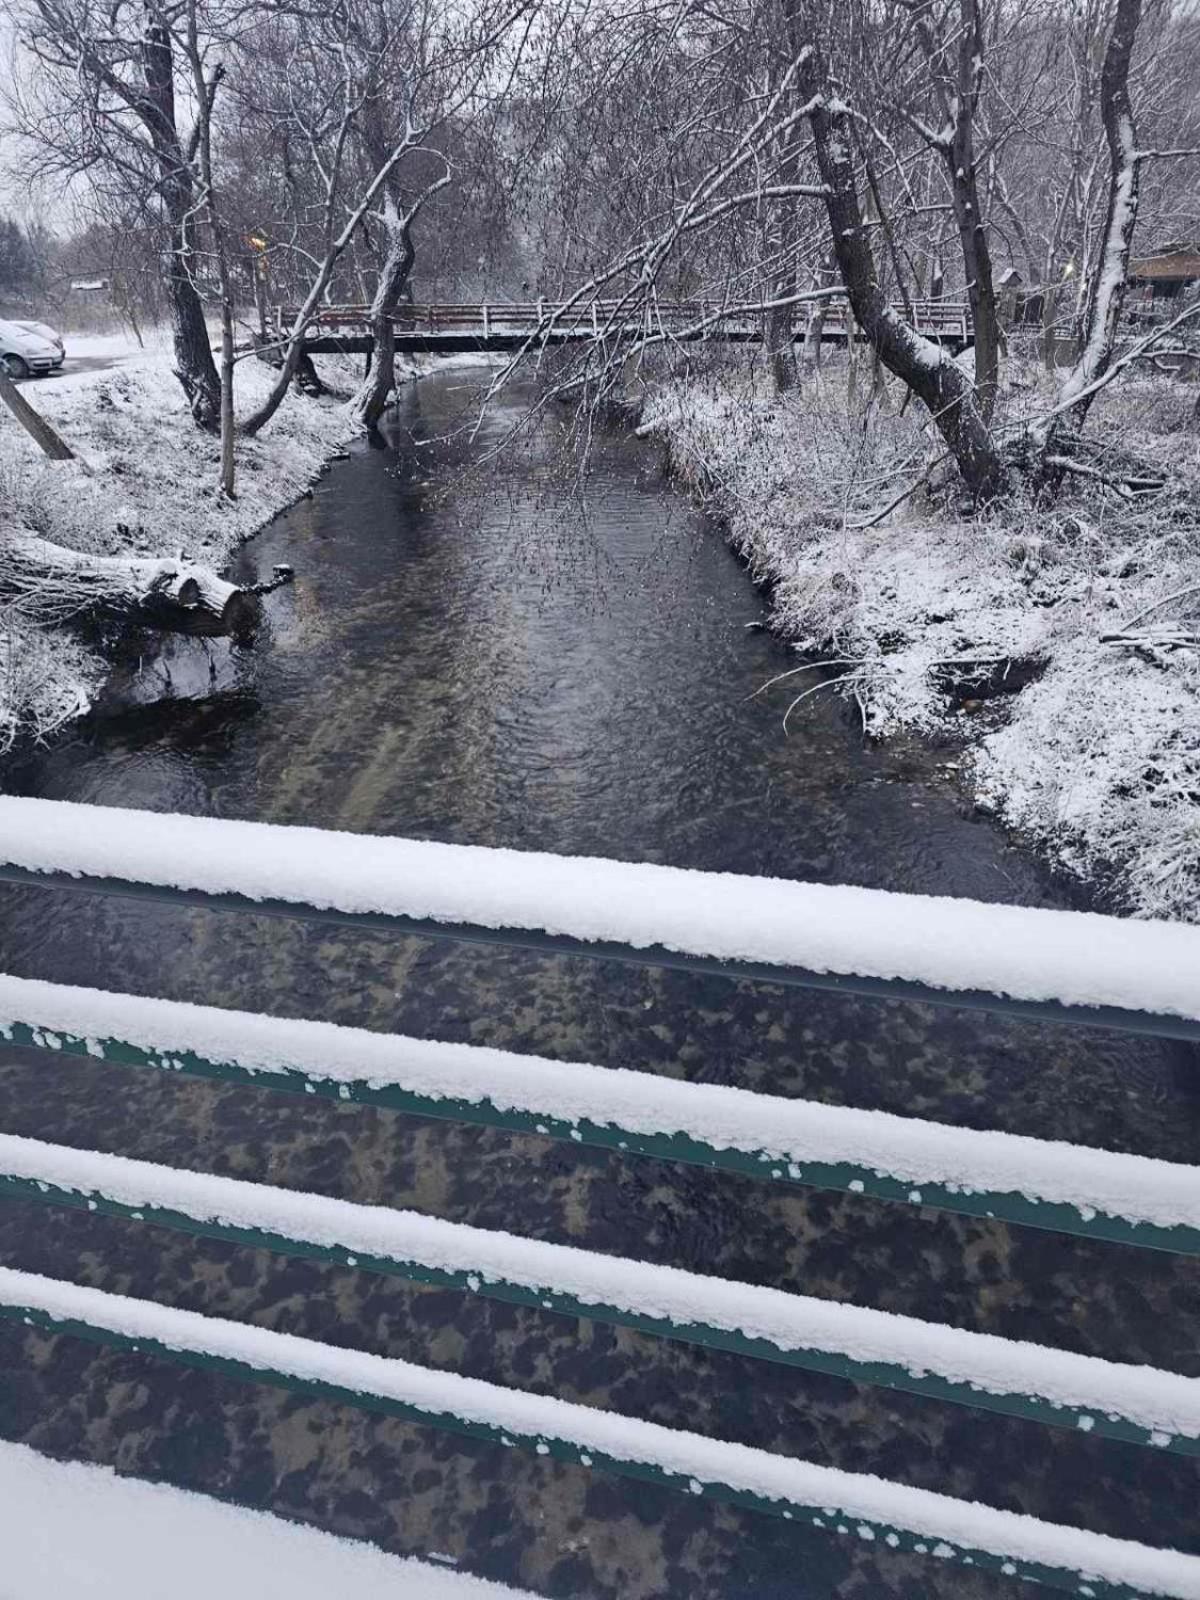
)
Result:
{"points": [[487, 323]]}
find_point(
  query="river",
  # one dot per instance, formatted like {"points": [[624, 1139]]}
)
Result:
{"points": [[518, 655]]}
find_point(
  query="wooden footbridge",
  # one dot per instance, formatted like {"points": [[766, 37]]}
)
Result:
{"points": [[510, 326], [1065, 967]]}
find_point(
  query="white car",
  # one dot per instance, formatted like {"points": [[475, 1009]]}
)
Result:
{"points": [[27, 348]]}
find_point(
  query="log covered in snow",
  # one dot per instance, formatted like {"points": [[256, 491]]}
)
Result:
{"points": [[172, 594]]}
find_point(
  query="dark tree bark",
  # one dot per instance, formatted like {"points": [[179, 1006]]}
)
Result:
{"points": [[121, 82], [938, 381], [958, 96], [194, 364]]}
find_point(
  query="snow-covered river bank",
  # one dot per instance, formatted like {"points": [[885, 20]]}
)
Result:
{"points": [[1052, 643], [143, 485], [490, 660]]}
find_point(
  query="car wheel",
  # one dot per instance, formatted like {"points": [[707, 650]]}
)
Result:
{"points": [[15, 366]]}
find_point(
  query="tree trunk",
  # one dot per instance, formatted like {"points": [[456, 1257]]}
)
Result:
{"points": [[938, 381], [810, 359], [33, 422], [194, 365], [228, 466], [371, 400], [1107, 292], [168, 594], [964, 186], [780, 340]]}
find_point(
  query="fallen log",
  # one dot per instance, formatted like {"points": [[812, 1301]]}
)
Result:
{"points": [[174, 595]]}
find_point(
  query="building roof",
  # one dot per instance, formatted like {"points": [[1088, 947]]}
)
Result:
{"points": [[1172, 263]]}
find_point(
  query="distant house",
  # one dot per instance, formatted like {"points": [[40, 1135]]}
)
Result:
{"points": [[1167, 273], [1018, 306], [89, 285]]}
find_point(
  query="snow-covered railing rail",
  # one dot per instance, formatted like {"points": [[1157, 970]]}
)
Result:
{"points": [[1065, 966], [1137, 1405], [854, 1505], [1040, 1183]]}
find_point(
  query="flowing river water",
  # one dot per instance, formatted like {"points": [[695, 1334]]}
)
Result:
{"points": [[513, 658]]}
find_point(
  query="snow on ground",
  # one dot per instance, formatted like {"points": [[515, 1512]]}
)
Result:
{"points": [[923, 612], [145, 484], [75, 1532]]}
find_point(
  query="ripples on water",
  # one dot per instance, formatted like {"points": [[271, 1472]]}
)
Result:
{"points": [[499, 659]]}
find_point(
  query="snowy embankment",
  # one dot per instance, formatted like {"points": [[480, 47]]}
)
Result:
{"points": [[934, 622], [145, 485], [75, 1532]]}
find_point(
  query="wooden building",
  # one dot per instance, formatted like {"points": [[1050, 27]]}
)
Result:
{"points": [[1166, 275]]}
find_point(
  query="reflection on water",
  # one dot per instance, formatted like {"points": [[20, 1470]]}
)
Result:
{"points": [[512, 659]]}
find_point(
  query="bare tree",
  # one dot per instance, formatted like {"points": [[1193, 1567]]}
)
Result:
{"points": [[355, 99], [105, 106]]}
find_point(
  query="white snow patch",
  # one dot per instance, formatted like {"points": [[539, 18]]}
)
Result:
{"points": [[77, 1532], [1099, 760], [146, 486]]}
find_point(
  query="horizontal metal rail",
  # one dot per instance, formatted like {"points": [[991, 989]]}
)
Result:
{"points": [[1049, 966], [962, 1170], [868, 1508], [1136, 1405]]}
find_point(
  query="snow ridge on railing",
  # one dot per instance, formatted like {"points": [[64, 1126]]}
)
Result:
{"points": [[1041, 1183], [1073, 966], [1140, 1405], [949, 948]]}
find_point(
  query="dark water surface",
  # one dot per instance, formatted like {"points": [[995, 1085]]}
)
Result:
{"points": [[497, 661]]}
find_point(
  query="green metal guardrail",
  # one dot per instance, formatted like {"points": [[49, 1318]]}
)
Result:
{"points": [[869, 1508], [968, 1369], [1151, 1571], [846, 1176]]}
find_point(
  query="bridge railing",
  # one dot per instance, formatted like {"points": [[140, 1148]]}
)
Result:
{"points": [[1069, 966], [590, 319]]}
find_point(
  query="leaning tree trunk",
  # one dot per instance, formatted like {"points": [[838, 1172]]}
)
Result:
{"points": [[371, 400], [938, 381], [35, 425], [194, 364]]}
